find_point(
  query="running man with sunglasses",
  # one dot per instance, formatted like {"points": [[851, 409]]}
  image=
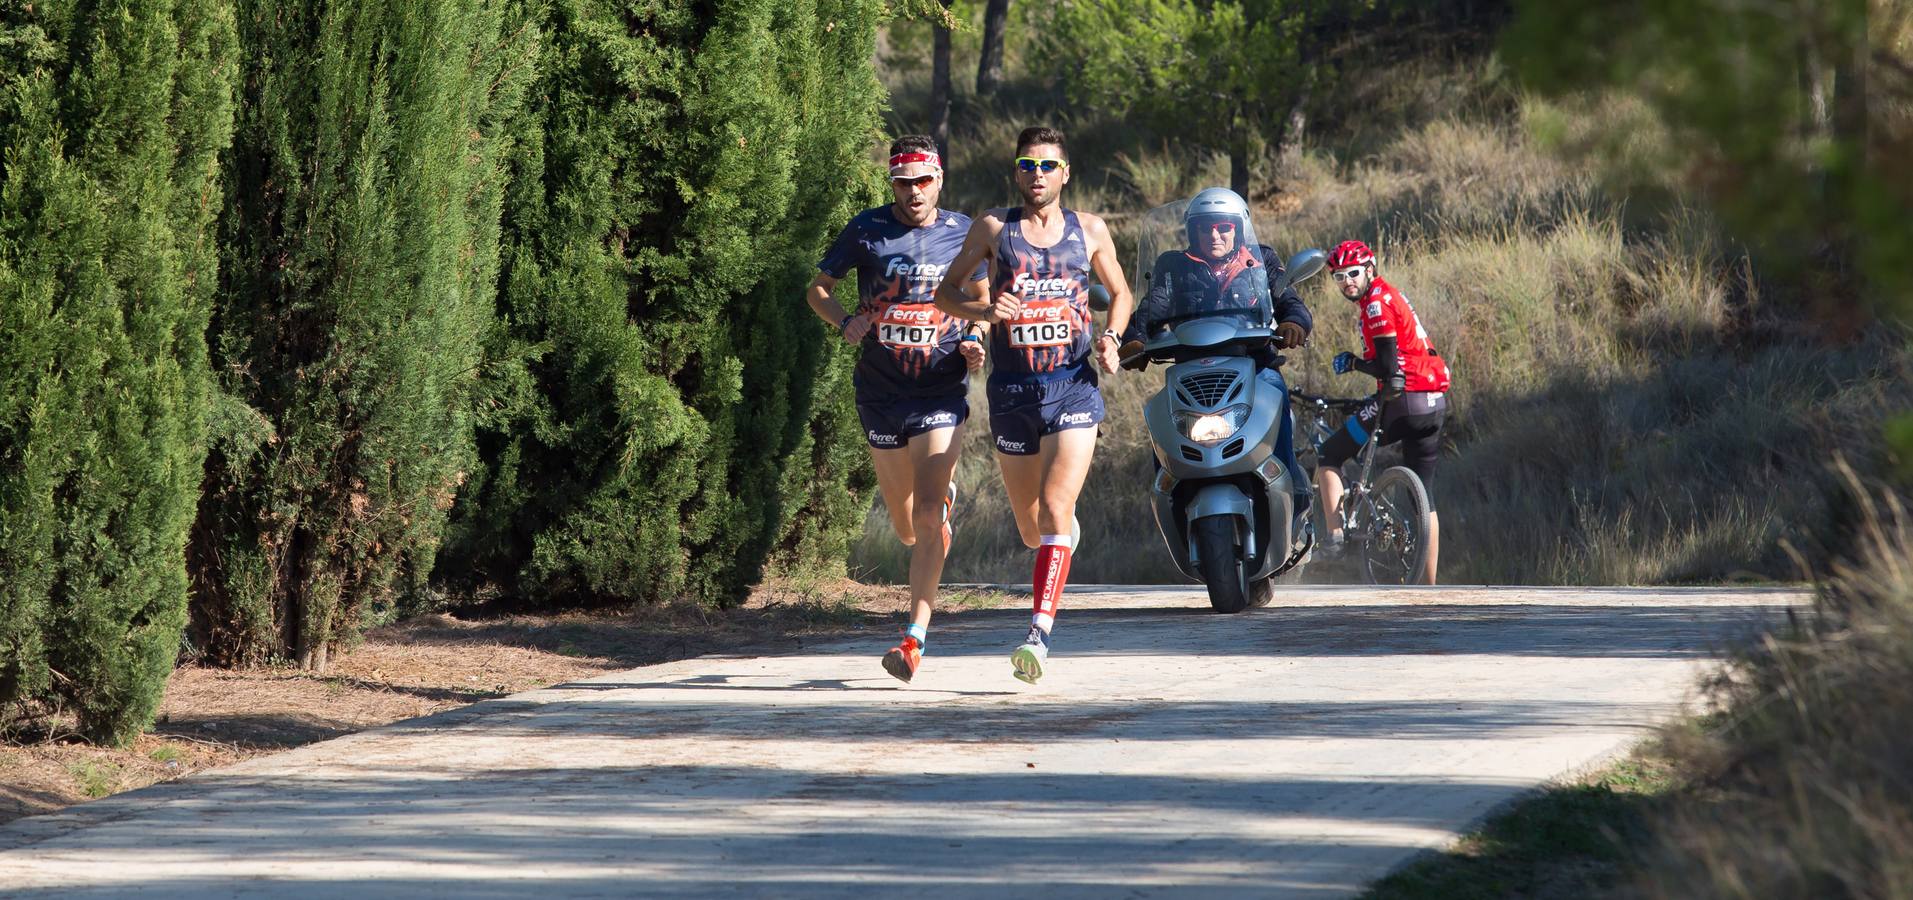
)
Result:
{"points": [[1044, 400], [1412, 381], [913, 374]]}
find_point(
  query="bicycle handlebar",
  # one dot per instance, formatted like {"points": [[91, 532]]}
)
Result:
{"points": [[1343, 403]]}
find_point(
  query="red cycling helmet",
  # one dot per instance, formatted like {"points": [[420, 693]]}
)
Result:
{"points": [[1350, 253]]}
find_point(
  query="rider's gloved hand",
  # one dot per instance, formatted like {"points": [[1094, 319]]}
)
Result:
{"points": [[1344, 362], [1289, 334]]}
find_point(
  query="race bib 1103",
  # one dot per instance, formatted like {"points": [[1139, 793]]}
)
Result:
{"points": [[1041, 324]]}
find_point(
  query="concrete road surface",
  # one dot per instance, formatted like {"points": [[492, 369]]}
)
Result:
{"points": [[1296, 751]]}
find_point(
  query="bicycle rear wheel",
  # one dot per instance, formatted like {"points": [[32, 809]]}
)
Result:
{"points": [[1394, 547]]}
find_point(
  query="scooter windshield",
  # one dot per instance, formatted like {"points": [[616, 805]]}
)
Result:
{"points": [[1205, 265]]}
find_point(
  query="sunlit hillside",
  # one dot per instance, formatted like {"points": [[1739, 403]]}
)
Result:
{"points": [[1626, 408]]}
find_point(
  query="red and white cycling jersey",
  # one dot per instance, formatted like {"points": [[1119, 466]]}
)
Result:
{"points": [[1386, 313]]}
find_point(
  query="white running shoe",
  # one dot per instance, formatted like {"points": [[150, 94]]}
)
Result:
{"points": [[1028, 660]]}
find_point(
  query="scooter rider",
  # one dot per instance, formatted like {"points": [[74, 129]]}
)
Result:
{"points": [[1210, 273], [1411, 377], [1218, 271]]}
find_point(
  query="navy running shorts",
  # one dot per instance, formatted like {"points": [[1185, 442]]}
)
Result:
{"points": [[890, 423], [1021, 413]]}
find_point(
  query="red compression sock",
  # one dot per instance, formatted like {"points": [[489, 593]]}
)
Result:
{"points": [[1052, 572]]}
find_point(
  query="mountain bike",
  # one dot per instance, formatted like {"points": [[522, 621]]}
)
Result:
{"points": [[1386, 521]]}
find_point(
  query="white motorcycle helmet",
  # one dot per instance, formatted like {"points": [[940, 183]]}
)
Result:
{"points": [[1216, 205]]}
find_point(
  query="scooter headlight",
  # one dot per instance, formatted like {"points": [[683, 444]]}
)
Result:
{"points": [[1211, 428]]}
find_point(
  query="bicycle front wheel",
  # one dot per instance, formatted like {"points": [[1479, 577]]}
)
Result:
{"points": [[1394, 548]]}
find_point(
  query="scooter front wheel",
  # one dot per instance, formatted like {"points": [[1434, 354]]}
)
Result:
{"points": [[1221, 563]]}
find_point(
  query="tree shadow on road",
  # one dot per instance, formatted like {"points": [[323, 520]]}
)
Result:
{"points": [[1675, 631], [719, 830]]}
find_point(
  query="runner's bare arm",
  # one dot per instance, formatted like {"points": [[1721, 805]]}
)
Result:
{"points": [[958, 294], [818, 295], [973, 355], [1109, 271], [821, 302]]}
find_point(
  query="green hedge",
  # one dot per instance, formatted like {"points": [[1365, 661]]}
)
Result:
{"points": [[663, 415], [360, 261], [112, 116], [306, 304]]}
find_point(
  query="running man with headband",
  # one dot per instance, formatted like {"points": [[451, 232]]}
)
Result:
{"points": [[1044, 400], [913, 374]]}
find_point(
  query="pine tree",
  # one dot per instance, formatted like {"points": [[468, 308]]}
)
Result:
{"points": [[112, 116], [360, 240], [667, 417]]}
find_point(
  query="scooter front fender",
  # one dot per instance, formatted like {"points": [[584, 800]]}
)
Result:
{"points": [[1222, 499]]}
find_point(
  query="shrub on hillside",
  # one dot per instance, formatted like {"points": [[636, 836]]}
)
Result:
{"points": [[112, 116], [1806, 788], [663, 415], [360, 240]]}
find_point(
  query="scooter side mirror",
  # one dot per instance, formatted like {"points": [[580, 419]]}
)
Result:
{"points": [[1099, 298], [1302, 267]]}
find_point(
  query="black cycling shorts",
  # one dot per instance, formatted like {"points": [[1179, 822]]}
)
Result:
{"points": [[1413, 420]]}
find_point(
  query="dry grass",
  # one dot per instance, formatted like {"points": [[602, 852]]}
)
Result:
{"points": [[1805, 789]]}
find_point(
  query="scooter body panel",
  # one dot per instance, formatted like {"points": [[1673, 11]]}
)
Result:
{"points": [[1237, 476]]}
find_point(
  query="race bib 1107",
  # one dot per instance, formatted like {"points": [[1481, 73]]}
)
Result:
{"points": [[908, 326]]}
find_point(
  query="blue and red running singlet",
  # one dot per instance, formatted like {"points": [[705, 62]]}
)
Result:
{"points": [[1052, 335], [911, 349]]}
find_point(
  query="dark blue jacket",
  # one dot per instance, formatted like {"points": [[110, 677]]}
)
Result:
{"points": [[1175, 271]]}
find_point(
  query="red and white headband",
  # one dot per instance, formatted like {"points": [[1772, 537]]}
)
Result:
{"points": [[930, 159]]}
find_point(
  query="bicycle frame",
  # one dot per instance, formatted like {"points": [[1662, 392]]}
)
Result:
{"points": [[1358, 512]]}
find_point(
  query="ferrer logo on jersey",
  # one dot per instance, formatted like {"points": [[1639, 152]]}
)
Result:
{"points": [[1030, 287], [902, 267]]}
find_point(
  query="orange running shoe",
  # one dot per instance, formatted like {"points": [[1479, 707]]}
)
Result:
{"points": [[902, 659]]}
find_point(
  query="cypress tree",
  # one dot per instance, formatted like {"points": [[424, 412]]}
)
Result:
{"points": [[360, 240], [666, 417], [112, 116]]}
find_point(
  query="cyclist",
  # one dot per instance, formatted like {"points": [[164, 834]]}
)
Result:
{"points": [[1220, 271], [1044, 400], [1412, 381], [913, 372]]}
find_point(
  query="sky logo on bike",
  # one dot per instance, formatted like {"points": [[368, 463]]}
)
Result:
{"points": [[1027, 285]]}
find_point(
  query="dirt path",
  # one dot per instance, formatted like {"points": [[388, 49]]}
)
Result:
{"points": [[1296, 751]]}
